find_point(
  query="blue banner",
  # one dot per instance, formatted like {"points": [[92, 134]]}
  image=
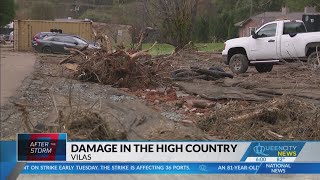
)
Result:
{"points": [[172, 168], [8, 158]]}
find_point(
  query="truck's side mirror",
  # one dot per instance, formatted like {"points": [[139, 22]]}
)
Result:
{"points": [[293, 34], [254, 35]]}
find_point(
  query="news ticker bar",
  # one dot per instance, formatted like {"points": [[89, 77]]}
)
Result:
{"points": [[171, 168]]}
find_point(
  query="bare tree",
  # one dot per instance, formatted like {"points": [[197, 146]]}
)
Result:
{"points": [[42, 10], [176, 19]]}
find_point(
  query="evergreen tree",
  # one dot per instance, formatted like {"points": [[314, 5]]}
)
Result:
{"points": [[6, 12]]}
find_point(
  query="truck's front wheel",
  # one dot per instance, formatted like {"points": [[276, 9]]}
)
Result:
{"points": [[262, 68], [239, 63]]}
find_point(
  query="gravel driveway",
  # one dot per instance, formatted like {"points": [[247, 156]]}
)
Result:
{"points": [[15, 67]]}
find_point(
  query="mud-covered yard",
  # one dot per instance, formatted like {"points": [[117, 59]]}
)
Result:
{"points": [[282, 104]]}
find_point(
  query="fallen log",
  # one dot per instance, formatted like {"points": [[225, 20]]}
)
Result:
{"points": [[214, 73], [197, 73], [187, 73]]}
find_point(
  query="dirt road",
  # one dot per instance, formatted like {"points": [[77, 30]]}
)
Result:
{"points": [[15, 67]]}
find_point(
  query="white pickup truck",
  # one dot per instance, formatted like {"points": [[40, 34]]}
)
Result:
{"points": [[285, 39]]}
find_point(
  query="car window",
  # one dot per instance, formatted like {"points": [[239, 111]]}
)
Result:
{"points": [[64, 39], [268, 31], [43, 35], [58, 39], [293, 27], [48, 38], [69, 40]]}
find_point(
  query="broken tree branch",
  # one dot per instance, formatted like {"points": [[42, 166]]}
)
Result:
{"points": [[274, 135], [141, 38], [106, 44], [75, 50], [140, 53]]}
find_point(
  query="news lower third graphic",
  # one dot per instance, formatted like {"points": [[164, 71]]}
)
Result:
{"points": [[42, 147], [273, 151], [53, 154]]}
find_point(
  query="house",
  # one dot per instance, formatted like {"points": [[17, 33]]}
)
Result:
{"points": [[254, 22]]}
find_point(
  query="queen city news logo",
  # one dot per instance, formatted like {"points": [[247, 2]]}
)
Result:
{"points": [[42, 147], [277, 149], [260, 150]]}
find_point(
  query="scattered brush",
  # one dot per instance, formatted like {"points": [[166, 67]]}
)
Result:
{"points": [[280, 119], [90, 126], [80, 124]]}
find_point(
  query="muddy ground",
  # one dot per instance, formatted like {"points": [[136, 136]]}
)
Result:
{"points": [[49, 101]]}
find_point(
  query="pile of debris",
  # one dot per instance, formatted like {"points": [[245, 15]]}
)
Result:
{"points": [[119, 68], [132, 68], [282, 118]]}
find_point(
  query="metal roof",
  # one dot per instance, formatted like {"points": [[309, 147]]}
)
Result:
{"points": [[272, 16]]}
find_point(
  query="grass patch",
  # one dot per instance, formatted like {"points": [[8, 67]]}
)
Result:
{"points": [[158, 49], [162, 49], [210, 47]]}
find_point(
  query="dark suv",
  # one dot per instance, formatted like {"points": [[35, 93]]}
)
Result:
{"points": [[57, 42]]}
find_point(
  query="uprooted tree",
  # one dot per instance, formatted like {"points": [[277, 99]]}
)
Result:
{"points": [[176, 19]]}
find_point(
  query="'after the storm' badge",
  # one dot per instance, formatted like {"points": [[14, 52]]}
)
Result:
{"points": [[42, 147]]}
